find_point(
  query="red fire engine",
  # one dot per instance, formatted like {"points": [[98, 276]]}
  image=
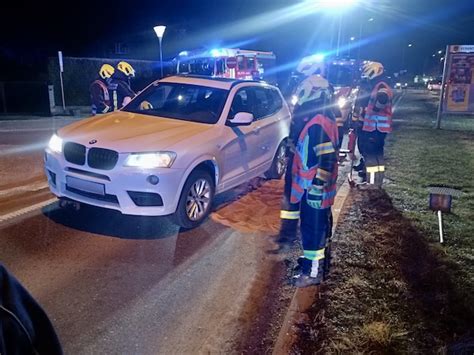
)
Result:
{"points": [[228, 63]]}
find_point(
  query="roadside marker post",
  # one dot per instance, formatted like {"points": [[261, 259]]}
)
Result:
{"points": [[61, 70], [440, 201]]}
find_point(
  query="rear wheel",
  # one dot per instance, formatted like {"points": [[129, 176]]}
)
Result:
{"points": [[196, 200], [279, 163]]}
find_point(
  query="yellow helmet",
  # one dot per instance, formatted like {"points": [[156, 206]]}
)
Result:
{"points": [[371, 70], [146, 105], [106, 71], [126, 68]]}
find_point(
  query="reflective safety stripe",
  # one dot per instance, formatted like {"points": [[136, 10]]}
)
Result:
{"points": [[314, 254], [289, 214], [115, 100], [323, 174], [324, 148], [376, 169]]}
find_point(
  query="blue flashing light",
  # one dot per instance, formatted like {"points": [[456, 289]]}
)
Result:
{"points": [[319, 57], [215, 52]]}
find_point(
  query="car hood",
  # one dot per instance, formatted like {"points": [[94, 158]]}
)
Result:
{"points": [[131, 132]]}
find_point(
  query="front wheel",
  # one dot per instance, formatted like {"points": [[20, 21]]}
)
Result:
{"points": [[196, 200], [279, 163]]}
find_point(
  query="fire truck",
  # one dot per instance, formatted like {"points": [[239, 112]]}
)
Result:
{"points": [[228, 63]]}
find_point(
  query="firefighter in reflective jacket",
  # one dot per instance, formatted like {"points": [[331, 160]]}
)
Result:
{"points": [[313, 177], [99, 91], [375, 105], [121, 91]]}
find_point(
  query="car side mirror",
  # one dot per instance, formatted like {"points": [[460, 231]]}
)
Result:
{"points": [[241, 119]]}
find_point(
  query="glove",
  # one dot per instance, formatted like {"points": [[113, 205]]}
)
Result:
{"points": [[315, 196]]}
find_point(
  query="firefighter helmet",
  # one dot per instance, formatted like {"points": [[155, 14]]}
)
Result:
{"points": [[313, 64], [145, 106], [106, 71], [126, 68], [371, 70], [312, 88]]}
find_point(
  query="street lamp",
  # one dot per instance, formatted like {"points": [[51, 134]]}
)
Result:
{"points": [[439, 52], [410, 45], [353, 38], [335, 6], [360, 35], [160, 31]]}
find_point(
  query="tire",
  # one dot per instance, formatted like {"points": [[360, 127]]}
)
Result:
{"points": [[279, 163], [199, 185]]}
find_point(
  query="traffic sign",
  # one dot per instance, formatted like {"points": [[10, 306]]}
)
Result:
{"points": [[231, 62]]}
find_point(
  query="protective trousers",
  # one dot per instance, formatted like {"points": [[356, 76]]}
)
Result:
{"points": [[290, 212], [372, 144], [316, 227]]}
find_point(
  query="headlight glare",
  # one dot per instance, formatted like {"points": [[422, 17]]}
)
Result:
{"points": [[55, 144], [342, 102], [151, 160]]}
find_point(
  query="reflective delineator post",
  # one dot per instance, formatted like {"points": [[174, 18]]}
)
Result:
{"points": [[440, 201], [440, 222]]}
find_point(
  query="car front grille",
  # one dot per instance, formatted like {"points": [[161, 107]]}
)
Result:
{"points": [[100, 158], [75, 153]]}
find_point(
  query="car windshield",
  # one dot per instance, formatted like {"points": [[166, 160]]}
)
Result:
{"points": [[180, 101]]}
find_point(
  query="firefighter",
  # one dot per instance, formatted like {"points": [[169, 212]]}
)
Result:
{"points": [[375, 107], [289, 213], [99, 90], [120, 85], [313, 177]]}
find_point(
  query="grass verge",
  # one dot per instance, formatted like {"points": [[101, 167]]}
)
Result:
{"points": [[393, 288]]}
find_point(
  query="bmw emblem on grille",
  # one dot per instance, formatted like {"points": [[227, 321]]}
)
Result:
{"points": [[94, 141]]}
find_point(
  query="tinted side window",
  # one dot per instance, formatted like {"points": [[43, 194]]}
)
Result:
{"points": [[277, 101], [263, 103], [242, 102]]}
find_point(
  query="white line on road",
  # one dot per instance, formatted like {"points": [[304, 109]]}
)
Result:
{"points": [[22, 211], [25, 188], [21, 130]]}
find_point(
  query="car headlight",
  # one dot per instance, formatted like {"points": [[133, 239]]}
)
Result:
{"points": [[55, 144], [151, 160], [342, 102]]}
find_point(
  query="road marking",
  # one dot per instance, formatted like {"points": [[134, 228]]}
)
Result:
{"points": [[22, 130], [22, 211], [25, 188]]}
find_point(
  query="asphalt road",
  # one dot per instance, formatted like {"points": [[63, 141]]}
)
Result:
{"points": [[121, 284]]}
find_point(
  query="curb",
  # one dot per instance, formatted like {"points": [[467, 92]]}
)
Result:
{"points": [[303, 298]]}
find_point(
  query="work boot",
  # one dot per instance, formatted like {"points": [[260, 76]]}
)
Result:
{"points": [[308, 268], [360, 166], [363, 176]]}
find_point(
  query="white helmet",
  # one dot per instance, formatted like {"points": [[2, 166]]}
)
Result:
{"points": [[313, 64], [312, 88]]}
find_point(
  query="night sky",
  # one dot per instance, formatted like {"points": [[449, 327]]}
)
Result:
{"points": [[34, 30]]}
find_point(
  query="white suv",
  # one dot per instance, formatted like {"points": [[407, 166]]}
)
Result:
{"points": [[175, 145]]}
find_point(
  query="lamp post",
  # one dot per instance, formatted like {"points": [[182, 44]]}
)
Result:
{"points": [[160, 31], [360, 35], [338, 7]]}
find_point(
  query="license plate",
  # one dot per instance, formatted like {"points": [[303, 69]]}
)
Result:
{"points": [[86, 186]]}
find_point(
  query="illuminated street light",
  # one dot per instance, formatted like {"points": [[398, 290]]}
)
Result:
{"points": [[160, 31], [353, 38], [410, 45], [439, 52], [340, 5], [371, 19], [335, 6], [434, 55]]}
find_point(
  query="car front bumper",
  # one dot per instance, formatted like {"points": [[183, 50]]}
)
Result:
{"points": [[124, 189]]}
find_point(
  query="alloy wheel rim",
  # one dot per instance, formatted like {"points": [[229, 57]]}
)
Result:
{"points": [[281, 160], [198, 199]]}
